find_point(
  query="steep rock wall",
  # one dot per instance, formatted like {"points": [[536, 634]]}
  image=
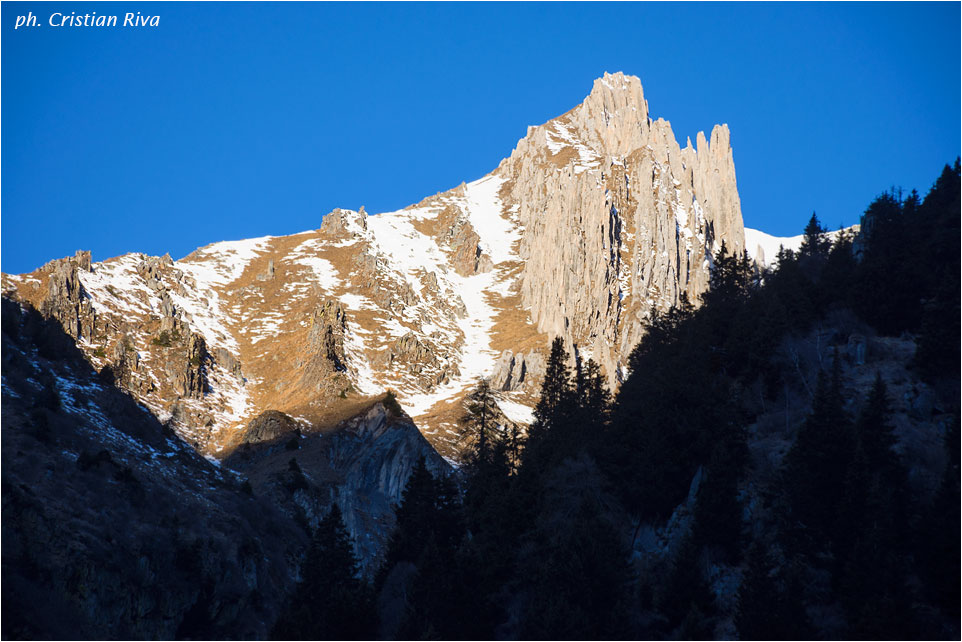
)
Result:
{"points": [[618, 219]]}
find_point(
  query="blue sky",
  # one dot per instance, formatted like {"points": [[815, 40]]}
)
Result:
{"points": [[239, 120]]}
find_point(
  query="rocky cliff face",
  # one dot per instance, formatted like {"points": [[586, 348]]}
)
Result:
{"points": [[618, 219], [597, 218], [65, 299], [362, 465]]}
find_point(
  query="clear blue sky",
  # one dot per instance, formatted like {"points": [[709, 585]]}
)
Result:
{"points": [[238, 120]]}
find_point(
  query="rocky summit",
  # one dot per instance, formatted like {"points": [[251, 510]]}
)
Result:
{"points": [[597, 218]]}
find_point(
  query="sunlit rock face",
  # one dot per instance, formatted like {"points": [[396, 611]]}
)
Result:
{"points": [[597, 218], [617, 218]]}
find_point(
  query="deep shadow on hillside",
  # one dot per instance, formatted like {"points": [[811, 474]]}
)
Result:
{"points": [[113, 528]]}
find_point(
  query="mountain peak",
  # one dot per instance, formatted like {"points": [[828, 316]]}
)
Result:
{"points": [[617, 82]]}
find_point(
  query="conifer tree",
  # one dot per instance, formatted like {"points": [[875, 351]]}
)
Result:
{"points": [[672, 410], [837, 277], [937, 354], [888, 291], [550, 434], [478, 427], [817, 464], [869, 543], [876, 436], [593, 395], [573, 568], [766, 609], [330, 602], [592, 409], [428, 534], [718, 513], [875, 491], [815, 243], [429, 511], [685, 591], [938, 546], [555, 391], [732, 278]]}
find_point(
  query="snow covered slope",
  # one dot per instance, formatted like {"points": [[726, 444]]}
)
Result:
{"points": [[763, 248]]}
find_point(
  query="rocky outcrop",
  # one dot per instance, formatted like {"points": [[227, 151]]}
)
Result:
{"points": [[268, 274], [517, 372], [362, 465], [269, 426], [326, 337], [394, 295], [343, 224], [152, 269], [454, 232], [420, 359], [325, 361], [125, 362], [618, 218], [413, 354], [377, 452], [66, 300], [192, 379], [229, 362]]}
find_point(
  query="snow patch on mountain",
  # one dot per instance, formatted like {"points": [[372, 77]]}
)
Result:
{"points": [[763, 248], [409, 251], [222, 263], [415, 254], [359, 367], [116, 284], [516, 412], [219, 264], [562, 137], [498, 235], [357, 302], [323, 270]]}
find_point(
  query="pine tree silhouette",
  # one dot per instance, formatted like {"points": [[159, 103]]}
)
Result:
{"points": [[330, 602]]}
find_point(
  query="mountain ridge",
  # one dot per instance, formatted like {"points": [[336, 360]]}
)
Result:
{"points": [[597, 218]]}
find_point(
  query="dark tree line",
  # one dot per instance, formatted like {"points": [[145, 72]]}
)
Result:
{"points": [[537, 535]]}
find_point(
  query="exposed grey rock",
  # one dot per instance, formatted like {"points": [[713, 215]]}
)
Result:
{"points": [[125, 362], [377, 452], [412, 352], [362, 465], [192, 379], [66, 300], [167, 308], [920, 401], [857, 348], [516, 372], [82, 257], [338, 223], [459, 236], [269, 274], [328, 322], [152, 269], [325, 372], [268, 426], [620, 220], [225, 359]]}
